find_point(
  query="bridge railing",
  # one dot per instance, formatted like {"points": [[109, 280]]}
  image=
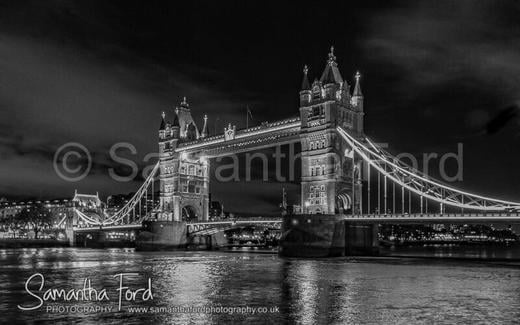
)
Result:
{"points": [[435, 215], [253, 219]]}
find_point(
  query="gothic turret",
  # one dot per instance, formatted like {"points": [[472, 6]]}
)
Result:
{"points": [[330, 106], [163, 123], [175, 127], [305, 92], [204, 132], [331, 73], [305, 81], [331, 78], [162, 127], [188, 128], [357, 95]]}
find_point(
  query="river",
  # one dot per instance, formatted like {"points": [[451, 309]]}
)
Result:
{"points": [[303, 291]]}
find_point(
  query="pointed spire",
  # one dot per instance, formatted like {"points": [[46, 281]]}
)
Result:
{"points": [[163, 123], [332, 57], [176, 120], [184, 103], [305, 81], [331, 73], [204, 132], [357, 87]]}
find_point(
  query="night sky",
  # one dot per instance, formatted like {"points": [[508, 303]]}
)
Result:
{"points": [[433, 74]]}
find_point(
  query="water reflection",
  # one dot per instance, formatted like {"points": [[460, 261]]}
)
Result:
{"points": [[342, 290]]}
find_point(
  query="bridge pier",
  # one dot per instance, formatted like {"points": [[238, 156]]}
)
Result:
{"points": [[159, 235], [326, 236], [312, 236], [70, 234], [361, 239]]}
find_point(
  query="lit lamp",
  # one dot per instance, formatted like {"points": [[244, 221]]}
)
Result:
{"points": [[307, 205]]}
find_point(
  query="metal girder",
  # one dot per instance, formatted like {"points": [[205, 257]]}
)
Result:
{"points": [[416, 182]]}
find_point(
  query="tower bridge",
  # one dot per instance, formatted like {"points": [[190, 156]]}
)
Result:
{"points": [[336, 193]]}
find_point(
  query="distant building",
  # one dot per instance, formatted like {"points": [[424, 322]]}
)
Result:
{"points": [[59, 208]]}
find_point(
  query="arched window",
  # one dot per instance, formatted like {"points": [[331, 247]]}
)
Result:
{"points": [[191, 170]]}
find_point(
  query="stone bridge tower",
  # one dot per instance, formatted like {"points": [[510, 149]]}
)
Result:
{"points": [[184, 178], [331, 174]]}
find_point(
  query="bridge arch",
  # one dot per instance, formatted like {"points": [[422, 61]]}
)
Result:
{"points": [[189, 213]]}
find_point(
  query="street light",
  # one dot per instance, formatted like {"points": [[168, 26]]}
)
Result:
{"points": [[307, 205]]}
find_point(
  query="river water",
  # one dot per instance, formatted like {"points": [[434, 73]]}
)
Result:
{"points": [[302, 291]]}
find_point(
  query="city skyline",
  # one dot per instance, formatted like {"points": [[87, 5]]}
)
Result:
{"points": [[62, 83]]}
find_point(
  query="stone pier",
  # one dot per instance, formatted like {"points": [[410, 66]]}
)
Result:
{"points": [[326, 236], [162, 235]]}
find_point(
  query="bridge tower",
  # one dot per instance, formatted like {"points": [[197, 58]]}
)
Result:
{"points": [[331, 173], [184, 178]]}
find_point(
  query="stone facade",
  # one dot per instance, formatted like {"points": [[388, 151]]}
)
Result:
{"points": [[330, 174], [184, 178]]}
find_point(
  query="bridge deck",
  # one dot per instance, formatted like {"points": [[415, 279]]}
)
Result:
{"points": [[510, 218], [437, 218]]}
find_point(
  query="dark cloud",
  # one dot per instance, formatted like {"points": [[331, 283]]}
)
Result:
{"points": [[433, 74]]}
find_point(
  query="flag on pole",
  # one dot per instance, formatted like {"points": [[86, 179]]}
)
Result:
{"points": [[248, 114]]}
